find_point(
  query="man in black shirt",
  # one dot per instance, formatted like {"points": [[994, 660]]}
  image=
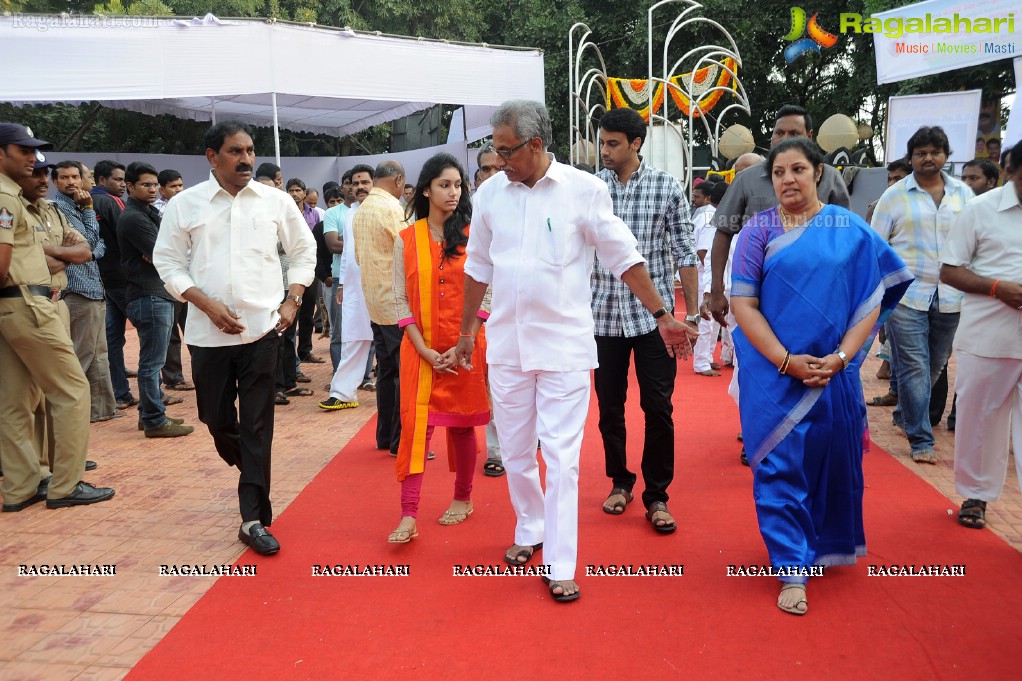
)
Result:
{"points": [[106, 199], [150, 307]]}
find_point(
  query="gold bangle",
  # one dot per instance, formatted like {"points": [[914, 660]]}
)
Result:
{"points": [[783, 369]]}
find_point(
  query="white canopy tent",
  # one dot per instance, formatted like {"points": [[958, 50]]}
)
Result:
{"points": [[258, 71]]}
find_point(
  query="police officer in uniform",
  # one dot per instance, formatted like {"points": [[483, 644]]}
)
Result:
{"points": [[62, 246], [35, 350]]}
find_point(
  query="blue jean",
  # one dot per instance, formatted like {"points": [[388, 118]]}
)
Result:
{"points": [[920, 346], [153, 317], [116, 316]]}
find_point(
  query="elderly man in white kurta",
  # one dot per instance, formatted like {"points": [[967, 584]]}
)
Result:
{"points": [[535, 231], [982, 256]]}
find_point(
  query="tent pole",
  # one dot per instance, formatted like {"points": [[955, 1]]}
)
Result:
{"points": [[213, 105], [276, 129]]}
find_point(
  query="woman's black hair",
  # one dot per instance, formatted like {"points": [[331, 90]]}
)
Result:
{"points": [[454, 228], [802, 144]]}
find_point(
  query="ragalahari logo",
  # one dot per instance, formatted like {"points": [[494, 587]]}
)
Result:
{"points": [[799, 45]]}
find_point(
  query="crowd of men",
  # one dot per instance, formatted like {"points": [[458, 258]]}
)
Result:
{"points": [[115, 245]]}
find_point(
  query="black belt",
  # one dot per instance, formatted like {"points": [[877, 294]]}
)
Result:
{"points": [[15, 291]]}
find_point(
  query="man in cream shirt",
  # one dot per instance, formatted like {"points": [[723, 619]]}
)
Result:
{"points": [[535, 231], [217, 249]]}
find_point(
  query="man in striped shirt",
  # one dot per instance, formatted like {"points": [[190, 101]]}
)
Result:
{"points": [[85, 296], [915, 216]]}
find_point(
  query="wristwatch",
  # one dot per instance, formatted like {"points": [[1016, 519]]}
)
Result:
{"points": [[842, 356], [660, 313], [693, 319], [297, 299]]}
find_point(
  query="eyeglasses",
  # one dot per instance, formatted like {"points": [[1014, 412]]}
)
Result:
{"points": [[931, 154], [507, 153], [487, 169], [148, 185]]}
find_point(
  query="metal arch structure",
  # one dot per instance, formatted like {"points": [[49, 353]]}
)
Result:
{"points": [[582, 86], [693, 60]]}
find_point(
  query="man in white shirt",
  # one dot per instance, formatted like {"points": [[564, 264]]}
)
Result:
{"points": [[704, 229], [982, 257], [535, 232], [356, 332], [217, 249]]}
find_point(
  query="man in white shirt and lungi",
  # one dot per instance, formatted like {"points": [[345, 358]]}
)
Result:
{"points": [[217, 249], [535, 231], [982, 257]]}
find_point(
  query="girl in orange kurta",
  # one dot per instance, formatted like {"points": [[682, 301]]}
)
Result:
{"points": [[429, 278]]}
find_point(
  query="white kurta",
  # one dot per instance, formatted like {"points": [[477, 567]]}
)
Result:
{"points": [[355, 325]]}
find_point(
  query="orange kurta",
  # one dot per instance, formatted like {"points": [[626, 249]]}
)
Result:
{"points": [[436, 294]]}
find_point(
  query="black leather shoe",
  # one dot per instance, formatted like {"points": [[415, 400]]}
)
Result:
{"points": [[90, 466], [81, 495], [259, 538], [40, 495]]}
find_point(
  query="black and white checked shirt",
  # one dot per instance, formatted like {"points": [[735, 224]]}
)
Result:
{"points": [[654, 207]]}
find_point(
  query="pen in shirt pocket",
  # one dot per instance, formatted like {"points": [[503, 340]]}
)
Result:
{"points": [[549, 227]]}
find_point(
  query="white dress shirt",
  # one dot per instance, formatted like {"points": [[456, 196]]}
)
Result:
{"points": [[536, 247], [987, 240], [227, 247]]}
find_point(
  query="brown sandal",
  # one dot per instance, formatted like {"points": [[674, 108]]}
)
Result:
{"points": [[619, 505], [668, 524]]}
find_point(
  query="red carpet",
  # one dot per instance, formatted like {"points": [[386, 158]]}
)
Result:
{"points": [[286, 624]]}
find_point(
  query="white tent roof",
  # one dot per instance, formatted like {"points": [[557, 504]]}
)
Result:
{"points": [[326, 80]]}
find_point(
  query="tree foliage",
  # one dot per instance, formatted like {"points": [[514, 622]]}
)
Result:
{"points": [[837, 80]]}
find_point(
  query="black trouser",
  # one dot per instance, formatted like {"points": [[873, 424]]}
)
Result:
{"points": [[173, 372], [387, 341], [242, 373], [656, 371], [286, 376], [938, 401], [306, 313]]}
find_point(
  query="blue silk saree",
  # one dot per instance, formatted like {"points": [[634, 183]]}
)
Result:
{"points": [[805, 445]]}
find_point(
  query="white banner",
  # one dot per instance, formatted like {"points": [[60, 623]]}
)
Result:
{"points": [[1014, 132], [940, 35], [956, 112]]}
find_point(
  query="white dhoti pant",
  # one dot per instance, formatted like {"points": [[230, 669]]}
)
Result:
{"points": [[702, 353], [552, 405], [351, 370], [989, 411]]}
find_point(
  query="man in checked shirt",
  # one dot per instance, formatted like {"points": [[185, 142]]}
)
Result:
{"points": [[653, 205]]}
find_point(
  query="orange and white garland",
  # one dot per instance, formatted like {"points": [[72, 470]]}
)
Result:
{"points": [[706, 85]]}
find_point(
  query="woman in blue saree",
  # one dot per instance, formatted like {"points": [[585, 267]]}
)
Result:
{"points": [[810, 285]]}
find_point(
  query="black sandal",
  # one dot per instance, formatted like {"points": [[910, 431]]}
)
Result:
{"points": [[493, 467], [973, 514], [281, 398], [561, 597], [526, 552]]}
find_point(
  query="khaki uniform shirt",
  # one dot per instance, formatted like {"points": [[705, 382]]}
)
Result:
{"points": [[24, 230], [56, 227]]}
